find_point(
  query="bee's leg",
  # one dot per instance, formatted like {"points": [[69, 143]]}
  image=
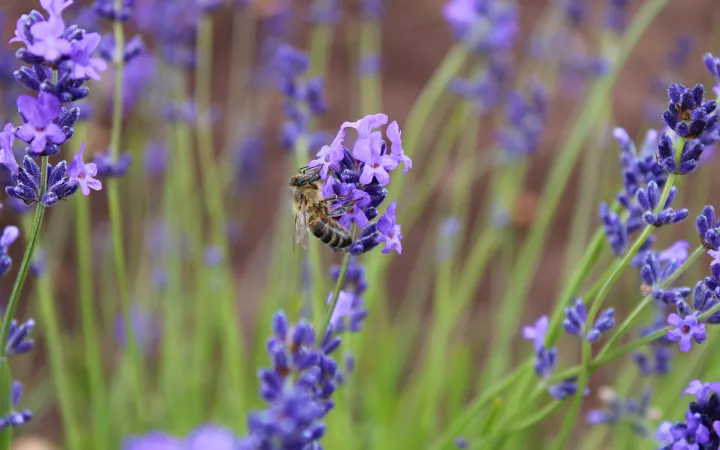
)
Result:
{"points": [[335, 197], [339, 211]]}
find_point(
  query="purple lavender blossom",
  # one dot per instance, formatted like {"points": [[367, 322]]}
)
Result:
{"points": [[299, 388], [484, 26], [537, 332], [82, 173], [390, 232], [707, 228], [702, 421], [690, 155], [526, 119], [9, 236], [575, 320], [702, 391], [686, 330], [145, 327], [39, 116], [688, 114], [649, 200], [678, 252], [349, 307], [7, 157], [107, 9], [18, 341], [207, 436], [653, 274], [15, 419], [81, 60], [27, 183], [713, 66]]}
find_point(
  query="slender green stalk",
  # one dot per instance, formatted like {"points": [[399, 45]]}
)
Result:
{"points": [[557, 180], [5, 376], [116, 223], [91, 338], [213, 195]]}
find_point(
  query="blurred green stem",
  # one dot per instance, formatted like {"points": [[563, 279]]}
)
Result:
{"points": [[91, 338], [213, 195], [116, 223]]}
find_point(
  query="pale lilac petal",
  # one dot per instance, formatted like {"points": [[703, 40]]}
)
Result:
{"points": [[38, 144], [93, 184], [55, 134], [673, 335], [91, 169], [367, 175], [685, 343], [675, 320]]}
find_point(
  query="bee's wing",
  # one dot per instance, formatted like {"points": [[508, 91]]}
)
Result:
{"points": [[300, 232]]}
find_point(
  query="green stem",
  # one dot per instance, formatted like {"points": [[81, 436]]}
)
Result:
{"points": [[462, 420], [5, 376], [91, 339], [116, 217], [557, 180]]}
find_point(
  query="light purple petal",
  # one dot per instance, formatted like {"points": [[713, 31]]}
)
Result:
{"points": [[212, 437], [90, 169], [367, 175], [9, 235], [49, 107], [38, 144], [673, 335], [675, 320], [685, 343], [29, 108], [93, 184], [55, 133]]}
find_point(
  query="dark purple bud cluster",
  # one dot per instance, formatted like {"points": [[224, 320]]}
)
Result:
{"points": [[546, 359], [703, 299], [108, 9], [298, 388], [649, 200], [701, 427], [576, 316], [15, 419], [27, 183], [688, 114], [653, 274], [689, 155], [18, 341], [707, 228], [638, 168]]}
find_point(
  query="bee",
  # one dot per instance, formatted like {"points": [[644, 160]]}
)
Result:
{"points": [[313, 213]]}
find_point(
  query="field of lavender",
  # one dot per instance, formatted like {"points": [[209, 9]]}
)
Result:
{"points": [[213, 241]]}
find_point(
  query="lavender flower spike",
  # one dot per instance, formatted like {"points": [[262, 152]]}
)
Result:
{"points": [[688, 114], [18, 342], [689, 155], [649, 200], [707, 228], [39, 115]]}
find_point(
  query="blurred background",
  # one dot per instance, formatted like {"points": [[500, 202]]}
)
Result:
{"points": [[414, 40]]}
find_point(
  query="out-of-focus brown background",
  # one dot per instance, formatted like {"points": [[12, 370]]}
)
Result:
{"points": [[415, 39]]}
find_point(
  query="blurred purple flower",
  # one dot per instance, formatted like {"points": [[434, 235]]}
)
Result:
{"points": [[391, 233], [536, 332]]}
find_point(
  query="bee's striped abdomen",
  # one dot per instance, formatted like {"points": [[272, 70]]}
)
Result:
{"points": [[329, 232]]}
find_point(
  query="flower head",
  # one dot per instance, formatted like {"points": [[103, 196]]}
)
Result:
{"points": [[536, 332], [18, 341], [690, 155], [49, 40], [390, 232], [707, 228], [39, 116], [686, 330], [649, 200], [83, 64], [484, 25], [15, 419], [82, 173], [688, 114], [7, 157]]}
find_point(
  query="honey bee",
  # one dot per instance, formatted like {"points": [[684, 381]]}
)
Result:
{"points": [[312, 212]]}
